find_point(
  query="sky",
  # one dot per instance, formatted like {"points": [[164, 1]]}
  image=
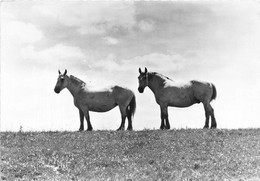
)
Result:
{"points": [[104, 43]]}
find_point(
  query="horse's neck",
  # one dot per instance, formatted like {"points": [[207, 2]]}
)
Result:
{"points": [[74, 85], [156, 83]]}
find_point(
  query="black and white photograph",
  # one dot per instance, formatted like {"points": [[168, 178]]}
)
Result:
{"points": [[130, 90]]}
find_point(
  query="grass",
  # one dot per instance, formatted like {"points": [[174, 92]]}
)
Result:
{"points": [[186, 154]]}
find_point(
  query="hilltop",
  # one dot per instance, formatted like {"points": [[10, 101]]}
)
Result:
{"points": [[186, 154]]}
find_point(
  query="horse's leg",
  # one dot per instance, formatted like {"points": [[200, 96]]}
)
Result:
{"points": [[167, 124], [209, 111], [86, 113], [213, 119], [164, 116], [207, 116], [122, 126], [162, 120], [123, 116], [81, 116], [129, 117]]}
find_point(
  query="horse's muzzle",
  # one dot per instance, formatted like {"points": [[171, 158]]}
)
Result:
{"points": [[141, 90], [57, 90]]}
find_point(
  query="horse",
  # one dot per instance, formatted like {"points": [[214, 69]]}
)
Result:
{"points": [[86, 99], [170, 93]]}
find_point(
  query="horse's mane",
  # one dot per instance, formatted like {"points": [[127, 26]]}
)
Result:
{"points": [[160, 75], [76, 80]]}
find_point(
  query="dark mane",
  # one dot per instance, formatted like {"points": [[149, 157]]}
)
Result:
{"points": [[76, 80], [158, 74]]}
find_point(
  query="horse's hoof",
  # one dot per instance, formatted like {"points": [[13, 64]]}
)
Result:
{"points": [[167, 127], [130, 129], [206, 127]]}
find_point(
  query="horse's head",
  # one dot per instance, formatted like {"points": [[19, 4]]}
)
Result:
{"points": [[61, 82], [143, 80]]}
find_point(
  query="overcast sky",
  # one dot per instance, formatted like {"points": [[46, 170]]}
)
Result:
{"points": [[104, 43]]}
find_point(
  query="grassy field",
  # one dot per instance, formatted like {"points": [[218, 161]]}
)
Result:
{"points": [[186, 154]]}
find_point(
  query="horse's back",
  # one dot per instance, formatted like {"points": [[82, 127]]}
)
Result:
{"points": [[109, 91]]}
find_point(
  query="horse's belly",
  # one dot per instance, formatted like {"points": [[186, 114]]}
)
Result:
{"points": [[179, 97], [181, 104], [97, 101], [181, 101], [102, 106]]}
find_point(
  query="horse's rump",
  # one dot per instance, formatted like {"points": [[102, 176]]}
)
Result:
{"points": [[121, 93], [214, 95], [203, 91]]}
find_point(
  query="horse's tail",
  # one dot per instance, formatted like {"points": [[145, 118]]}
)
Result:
{"points": [[214, 95], [132, 106]]}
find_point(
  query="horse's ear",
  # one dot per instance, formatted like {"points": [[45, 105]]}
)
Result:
{"points": [[140, 71], [59, 72], [65, 72], [145, 70]]}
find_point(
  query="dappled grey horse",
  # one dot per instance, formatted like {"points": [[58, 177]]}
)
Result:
{"points": [[170, 93], [86, 99]]}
